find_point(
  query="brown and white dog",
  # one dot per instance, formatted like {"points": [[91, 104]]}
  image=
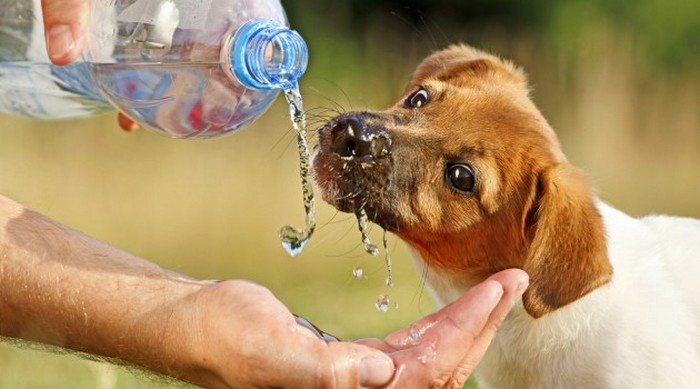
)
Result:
{"points": [[468, 173]]}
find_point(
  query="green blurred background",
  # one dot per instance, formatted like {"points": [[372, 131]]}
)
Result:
{"points": [[618, 80]]}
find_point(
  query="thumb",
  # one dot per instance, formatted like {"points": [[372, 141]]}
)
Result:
{"points": [[330, 365], [65, 23], [348, 365]]}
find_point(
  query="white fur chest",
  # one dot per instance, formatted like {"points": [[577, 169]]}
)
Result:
{"points": [[641, 330]]}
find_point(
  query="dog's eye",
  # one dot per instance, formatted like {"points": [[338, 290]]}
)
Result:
{"points": [[461, 177], [418, 99]]}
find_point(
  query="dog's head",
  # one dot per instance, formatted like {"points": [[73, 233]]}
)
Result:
{"points": [[465, 169]]}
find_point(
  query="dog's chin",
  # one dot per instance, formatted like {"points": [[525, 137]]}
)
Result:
{"points": [[347, 185]]}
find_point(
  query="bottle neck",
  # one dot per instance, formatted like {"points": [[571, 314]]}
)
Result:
{"points": [[265, 55]]}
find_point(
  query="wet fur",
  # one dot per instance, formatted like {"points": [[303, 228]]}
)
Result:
{"points": [[589, 317]]}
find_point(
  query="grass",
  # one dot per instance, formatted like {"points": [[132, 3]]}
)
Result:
{"points": [[212, 209]]}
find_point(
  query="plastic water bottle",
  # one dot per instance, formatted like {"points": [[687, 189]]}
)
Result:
{"points": [[185, 68]]}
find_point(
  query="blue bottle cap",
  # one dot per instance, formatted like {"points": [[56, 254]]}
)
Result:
{"points": [[267, 55]]}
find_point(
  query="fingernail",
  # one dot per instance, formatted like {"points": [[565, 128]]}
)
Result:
{"points": [[520, 289], [523, 284], [60, 41], [376, 370]]}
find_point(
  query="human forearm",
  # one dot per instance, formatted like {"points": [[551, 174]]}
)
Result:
{"points": [[60, 287]]}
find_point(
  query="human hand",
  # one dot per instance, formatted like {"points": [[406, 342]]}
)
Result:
{"points": [[241, 336], [245, 337], [65, 26], [94, 298], [217, 335], [442, 349]]}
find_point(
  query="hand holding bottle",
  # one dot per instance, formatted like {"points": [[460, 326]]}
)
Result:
{"points": [[65, 22], [185, 68], [65, 36]]}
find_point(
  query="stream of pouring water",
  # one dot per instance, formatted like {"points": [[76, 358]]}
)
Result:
{"points": [[363, 224], [387, 261], [382, 303], [294, 239]]}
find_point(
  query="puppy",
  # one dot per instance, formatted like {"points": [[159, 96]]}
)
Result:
{"points": [[468, 173]]}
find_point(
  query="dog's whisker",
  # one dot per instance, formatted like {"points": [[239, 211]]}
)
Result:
{"points": [[339, 107], [333, 221], [429, 27], [322, 109], [316, 92], [345, 197], [335, 103], [407, 22]]}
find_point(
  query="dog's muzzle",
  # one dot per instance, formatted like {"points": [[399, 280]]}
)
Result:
{"points": [[353, 139]]}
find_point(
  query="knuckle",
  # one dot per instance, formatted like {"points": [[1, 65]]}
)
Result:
{"points": [[454, 383], [325, 373], [492, 326], [321, 373], [460, 376], [440, 382]]}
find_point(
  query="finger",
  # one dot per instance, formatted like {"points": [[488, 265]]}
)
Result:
{"points": [[372, 368], [126, 124], [509, 279], [444, 345], [65, 23], [454, 332], [331, 365], [514, 285]]}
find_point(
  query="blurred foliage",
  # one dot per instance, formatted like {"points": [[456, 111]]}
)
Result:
{"points": [[667, 32], [618, 80]]}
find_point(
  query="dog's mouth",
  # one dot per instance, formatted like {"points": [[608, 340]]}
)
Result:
{"points": [[352, 164]]}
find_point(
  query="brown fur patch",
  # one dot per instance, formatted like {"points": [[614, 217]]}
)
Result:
{"points": [[567, 257]]}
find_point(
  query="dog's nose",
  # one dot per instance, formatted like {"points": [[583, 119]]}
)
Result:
{"points": [[352, 138]]}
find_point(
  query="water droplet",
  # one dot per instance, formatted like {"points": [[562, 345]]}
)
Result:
{"points": [[357, 272], [382, 303], [293, 239], [291, 242], [429, 354]]}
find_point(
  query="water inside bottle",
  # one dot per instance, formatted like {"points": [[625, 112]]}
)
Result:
{"points": [[43, 90], [182, 100], [294, 239]]}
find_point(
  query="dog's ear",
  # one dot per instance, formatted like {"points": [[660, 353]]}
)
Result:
{"points": [[464, 63], [567, 257]]}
